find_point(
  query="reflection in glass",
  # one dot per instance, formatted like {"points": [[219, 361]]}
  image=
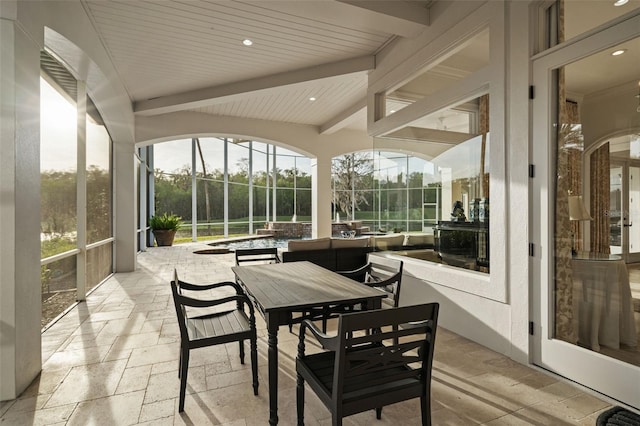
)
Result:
{"points": [[592, 297], [464, 60], [441, 190]]}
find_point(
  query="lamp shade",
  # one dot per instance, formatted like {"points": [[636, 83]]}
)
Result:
{"points": [[577, 210]]}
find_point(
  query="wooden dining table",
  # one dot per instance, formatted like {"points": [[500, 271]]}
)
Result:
{"points": [[281, 289]]}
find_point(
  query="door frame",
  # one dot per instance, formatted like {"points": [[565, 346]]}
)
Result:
{"points": [[606, 375]]}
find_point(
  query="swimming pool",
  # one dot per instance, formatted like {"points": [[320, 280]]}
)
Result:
{"points": [[255, 243]]}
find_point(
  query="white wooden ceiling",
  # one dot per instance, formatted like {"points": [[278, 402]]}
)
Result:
{"points": [[176, 55], [188, 55]]}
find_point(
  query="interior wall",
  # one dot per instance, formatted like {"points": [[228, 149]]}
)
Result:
{"points": [[609, 113]]}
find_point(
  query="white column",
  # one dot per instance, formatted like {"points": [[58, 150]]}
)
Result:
{"points": [[194, 193], [251, 187], [126, 206], [274, 179], [226, 188], [20, 304], [321, 197], [142, 213], [81, 190]]}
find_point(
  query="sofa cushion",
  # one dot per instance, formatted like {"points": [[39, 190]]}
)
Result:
{"points": [[418, 240], [387, 242], [337, 243], [316, 244]]}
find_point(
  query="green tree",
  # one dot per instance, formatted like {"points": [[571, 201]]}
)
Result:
{"points": [[352, 178]]}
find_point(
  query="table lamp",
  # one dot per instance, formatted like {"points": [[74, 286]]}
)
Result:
{"points": [[577, 212]]}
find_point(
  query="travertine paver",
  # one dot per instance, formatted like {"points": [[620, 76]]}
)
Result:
{"points": [[113, 360]]}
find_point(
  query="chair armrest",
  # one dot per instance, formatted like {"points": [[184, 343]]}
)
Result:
{"points": [[327, 342], [384, 283], [202, 303], [356, 272], [197, 287]]}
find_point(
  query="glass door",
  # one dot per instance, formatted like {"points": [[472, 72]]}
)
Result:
{"points": [[583, 310], [616, 209], [624, 209], [632, 233]]}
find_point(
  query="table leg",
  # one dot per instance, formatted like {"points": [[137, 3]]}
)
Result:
{"points": [[272, 332]]}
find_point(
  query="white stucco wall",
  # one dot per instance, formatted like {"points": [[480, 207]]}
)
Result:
{"points": [[610, 113], [490, 309]]}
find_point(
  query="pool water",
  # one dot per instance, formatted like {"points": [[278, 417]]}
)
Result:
{"points": [[257, 243]]}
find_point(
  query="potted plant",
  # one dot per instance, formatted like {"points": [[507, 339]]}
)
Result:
{"points": [[164, 228]]}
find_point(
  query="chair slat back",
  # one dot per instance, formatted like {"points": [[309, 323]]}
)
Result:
{"points": [[400, 348], [257, 255]]}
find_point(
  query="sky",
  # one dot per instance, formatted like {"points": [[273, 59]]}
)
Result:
{"points": [[58, 134], [174, 155]]}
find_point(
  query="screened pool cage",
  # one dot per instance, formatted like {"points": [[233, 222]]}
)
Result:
{"points": [[224, 187]]}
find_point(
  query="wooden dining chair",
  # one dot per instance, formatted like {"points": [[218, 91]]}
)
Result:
{"points": [[213, 328], [360, 371], [382, 273]]}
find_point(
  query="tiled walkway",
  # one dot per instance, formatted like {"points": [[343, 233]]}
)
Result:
{"points": [[113, 361]]}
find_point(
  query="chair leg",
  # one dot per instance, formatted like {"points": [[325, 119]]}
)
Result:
{"points": [[184, 367], [379, 413], [241, 343], [254, 363], [300, 400], [425, 409]]}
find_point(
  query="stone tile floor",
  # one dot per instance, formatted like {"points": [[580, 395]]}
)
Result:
{"points": [[113, 361]]}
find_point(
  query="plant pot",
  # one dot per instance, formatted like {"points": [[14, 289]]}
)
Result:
{"points": [[164, 237]]}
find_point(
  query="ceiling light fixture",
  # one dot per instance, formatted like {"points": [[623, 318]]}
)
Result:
{"points": [[312, 99], [247, 42], [620, 2], [618, 52]]}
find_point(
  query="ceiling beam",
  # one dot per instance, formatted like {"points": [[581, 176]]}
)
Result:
{"points": [[430, 135], [222, 93], [342, 118], [403, 18], [413, 12]]}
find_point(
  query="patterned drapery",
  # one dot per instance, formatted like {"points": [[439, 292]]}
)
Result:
{"points": [[574, 144]]}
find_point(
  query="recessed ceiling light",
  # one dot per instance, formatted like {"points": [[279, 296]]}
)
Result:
{"points": [[620, 2], [247, 42], [392, 111], [618, 52], [312, 99]]}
